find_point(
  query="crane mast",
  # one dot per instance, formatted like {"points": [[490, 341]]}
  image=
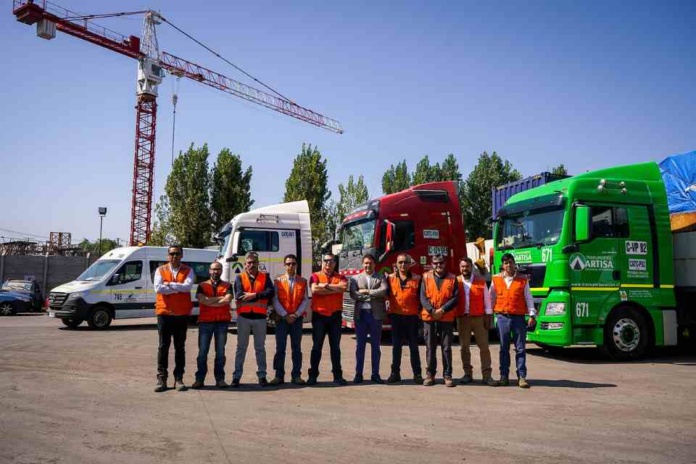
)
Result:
{"points": [[152, 64]]}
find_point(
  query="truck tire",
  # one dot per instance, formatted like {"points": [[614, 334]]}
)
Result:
{"points": [[7, 309], [626, 336], [99, 318], [71, 323]]}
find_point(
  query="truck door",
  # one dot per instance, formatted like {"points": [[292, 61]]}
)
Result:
{"points": [[128, 290], [595, 269], [637, 255]]}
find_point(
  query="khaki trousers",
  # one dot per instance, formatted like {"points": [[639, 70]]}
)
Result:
{"points": [[466, 326]]}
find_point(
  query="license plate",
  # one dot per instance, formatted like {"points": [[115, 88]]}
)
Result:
{"points": [[51, 314]]}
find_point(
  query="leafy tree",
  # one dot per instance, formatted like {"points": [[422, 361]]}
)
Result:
{"points": [[425, 172], [449, 170], [187, 190], [396, 178], [230, 188], [351, 195], [308, 180], [161, 234], [490, 171], [560, 170], [93, 247]]}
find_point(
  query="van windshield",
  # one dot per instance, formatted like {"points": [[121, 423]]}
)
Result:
{"points": [[98, 270], [358, 235], [530, 228]]}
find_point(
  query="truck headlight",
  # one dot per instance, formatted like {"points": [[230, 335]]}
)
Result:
{"points": [[555, 309]]}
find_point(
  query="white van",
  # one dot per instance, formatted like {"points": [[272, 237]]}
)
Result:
{"points": [[119, 286], [273, 232]]}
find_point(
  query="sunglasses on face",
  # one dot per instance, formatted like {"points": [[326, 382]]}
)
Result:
{"points": [[251, 263], [291, 264], [402, 263], [176, 253], [328, 260], [439, 264]]}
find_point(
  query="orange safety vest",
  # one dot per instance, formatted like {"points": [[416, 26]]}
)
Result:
{"points": [[438, 297], [510, 300], [214, 313], [326, 305], [291, 300], [404, 301], [259, 306], [476, 303], [175, 304]]}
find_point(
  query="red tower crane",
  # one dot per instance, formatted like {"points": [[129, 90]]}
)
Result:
{"points": [[49, 17]]}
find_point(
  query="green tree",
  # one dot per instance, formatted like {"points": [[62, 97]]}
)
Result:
{"points": [[396, 178], [449, 170], [351, 195], [230, 188], [93, 247], [490, 171], [187, 190], [308, 180], [161, 234], [560, 170], [425, 172]]}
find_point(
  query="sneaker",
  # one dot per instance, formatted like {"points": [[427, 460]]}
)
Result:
{"points": [[449, 382], [429, 381], [197, 385], [418, 379], [358, 378], [395, 378], [340, 381], [488, 380], [221, 384], [263, 382], [235, 383], [504, 381], [466, 378], [161, 385], [311, 380], [277, 381], [522, 383], [179, 385], [298, 381], [377, 379]]}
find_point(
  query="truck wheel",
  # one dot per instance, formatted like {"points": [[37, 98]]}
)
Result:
{"points": [[7, 309], [71, 323], [99, 318], [626, 335]]}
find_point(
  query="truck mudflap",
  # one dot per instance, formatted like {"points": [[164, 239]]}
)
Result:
{"points": [[669, 327]]}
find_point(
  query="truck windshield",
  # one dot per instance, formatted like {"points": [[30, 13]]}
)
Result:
{"points": [[358, 235], [99, 269], [530, 228]]}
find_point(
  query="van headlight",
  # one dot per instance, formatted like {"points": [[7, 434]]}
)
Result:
{"points": [[555, 309], [75, 296]]}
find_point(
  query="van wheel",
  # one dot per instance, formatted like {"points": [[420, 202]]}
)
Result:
{"points": [[7, 309], [71, 323], [99, 318], [626, 335]]}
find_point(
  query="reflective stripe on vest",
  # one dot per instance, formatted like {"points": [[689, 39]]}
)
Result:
{"points": [[404, 301], [326, 305], [259, 306], [291, 300], [510, 300], [174, 304], [438, 296], [214, 313]]}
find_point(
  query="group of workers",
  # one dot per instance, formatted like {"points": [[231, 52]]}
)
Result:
{"points": [[435, 301]]}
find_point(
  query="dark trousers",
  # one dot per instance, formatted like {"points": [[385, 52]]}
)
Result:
{"points": [[169, 327], [206, 332], [283, 329], [367, 324], [512, 329], [445, 332], [405, 327], [321, 327]]}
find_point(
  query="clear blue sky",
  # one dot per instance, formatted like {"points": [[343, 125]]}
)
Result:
{"points": [[588, 84]]}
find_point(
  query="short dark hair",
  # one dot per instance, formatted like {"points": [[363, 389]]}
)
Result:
{"points": [[507, 257], [178, 247], [369, 256], [251, 255], [214, 263], [333, 256], [466, 259], [291, 256], [437, 257]]}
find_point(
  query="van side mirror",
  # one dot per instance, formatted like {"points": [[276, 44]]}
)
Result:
{"points": [[582, 223]]}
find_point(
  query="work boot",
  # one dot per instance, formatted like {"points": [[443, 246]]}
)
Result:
{"points": [[197, 385], [394, 378], [221, 384], [277, 381], [522, 383], [161, 385], [449, 382], [179, 385], [429, 381], [340, 381], [377, 379], [488, 380], [263, 382], [418, 379], [235, 383], [311, 380], [298, 381], [504, 381], [358, 378], [466, 378]]}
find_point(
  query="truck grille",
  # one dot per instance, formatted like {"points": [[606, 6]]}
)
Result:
{"points": [[348, 308], [56, 300]]}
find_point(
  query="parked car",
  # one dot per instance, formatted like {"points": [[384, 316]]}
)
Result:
{"points": [[28, 287], [14, 302]]}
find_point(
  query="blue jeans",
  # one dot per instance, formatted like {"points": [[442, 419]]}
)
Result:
{"points": [[283, 329], [206, 331], [512, 327], [367, 324], [321, 327]]}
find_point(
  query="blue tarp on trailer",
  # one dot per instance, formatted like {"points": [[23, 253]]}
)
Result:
{"points": [[679, 175]]}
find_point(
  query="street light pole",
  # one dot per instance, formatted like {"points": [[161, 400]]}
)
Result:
{"points": [[102, 213]]}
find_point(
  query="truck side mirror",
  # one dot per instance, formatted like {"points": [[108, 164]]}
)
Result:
{"points": [[389, 239], [582, 223]]}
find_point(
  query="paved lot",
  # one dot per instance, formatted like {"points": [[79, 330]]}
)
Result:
{"points": [[73, 396]]}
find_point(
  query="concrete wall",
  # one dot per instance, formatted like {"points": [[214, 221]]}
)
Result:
{"points": [[48, 271]]}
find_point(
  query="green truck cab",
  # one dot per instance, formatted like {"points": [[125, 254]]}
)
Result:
{"points": [[599, 253]]}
